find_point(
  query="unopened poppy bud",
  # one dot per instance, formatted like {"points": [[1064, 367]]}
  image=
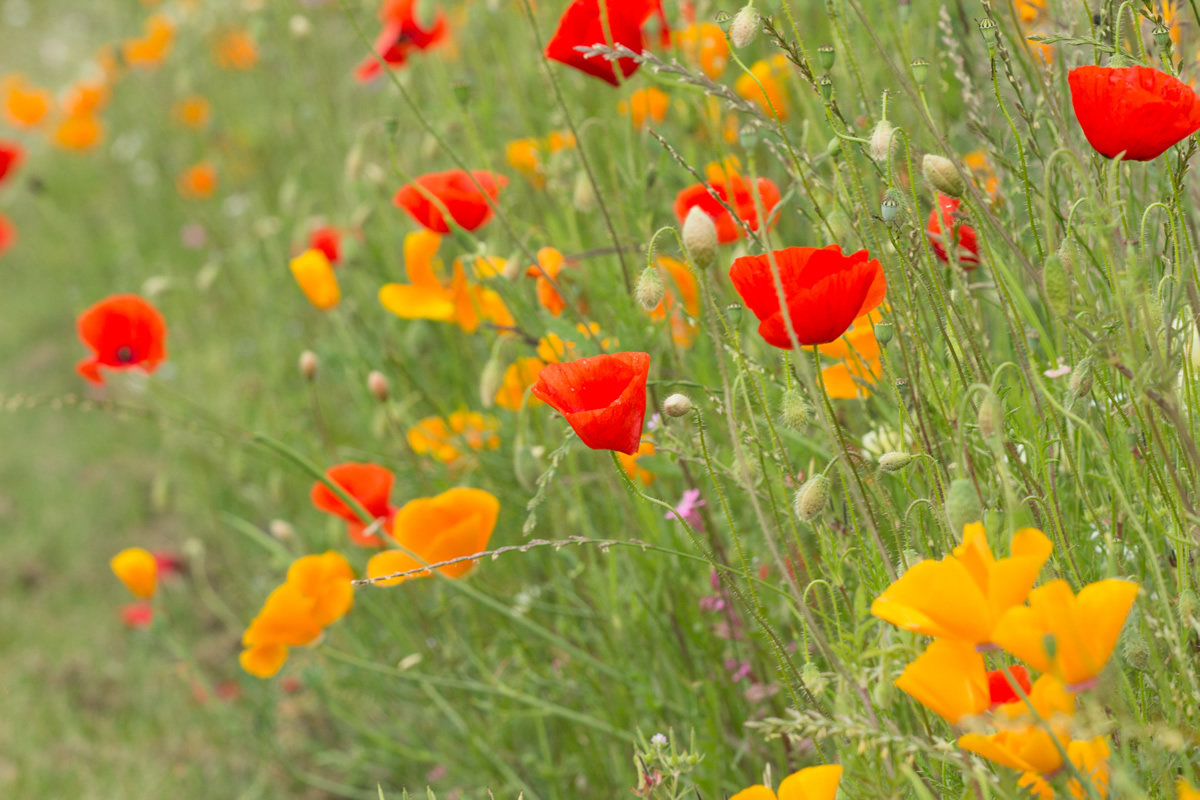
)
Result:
{"points": [[889, 208], [1081, 379], [810, 674], [962, 505], [649, 290], [811, 498], [894, 461], [744, 27], [882, 143], [1057, 284], [826, 84], [299, 26], [793, 410], [490, 381], [825, 56], [987, 26], [584, 195], [700, 238], [834, 148], [883, 333], [991, 416], [943, 175], [377, 384], [462, 93], [308, 364], [1135, 649], [677, 405], [1068, 255], [920, 70], [281, 530], [839, 226], [1162, 37]]}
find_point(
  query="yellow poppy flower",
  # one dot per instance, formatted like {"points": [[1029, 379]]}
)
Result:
{"points": [[441, 437], [1185, 790], [314, 273], [964, 595], [949, 679], [814, 783], [137, 569]]}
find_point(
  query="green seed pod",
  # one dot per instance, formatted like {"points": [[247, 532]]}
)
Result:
{"points": [[733, 312], [962, 505], [991, 34], [894, 461], [649, 290], [1057, 284], [883, 333], [920, 70], [793, 410], [1162, 37], [748, 136], [811, 498], [825, 56], [889, 208], [826, 84]]}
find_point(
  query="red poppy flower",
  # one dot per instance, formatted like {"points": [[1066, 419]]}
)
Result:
{"points": [[1001, 691], [11, 154], [168, 563], [736, 193], [1138, 110], [467, 205], [370, 485], [603, 398], [825, 291], [8, 234], [137, 615], [123, 331], [968, 245], [328, 241], [400, 36], [581, 25]]}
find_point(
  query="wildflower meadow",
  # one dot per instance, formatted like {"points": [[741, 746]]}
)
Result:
{"points": [[558, 399]]}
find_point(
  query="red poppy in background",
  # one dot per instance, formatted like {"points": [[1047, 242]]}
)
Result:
{"points": [[137, 615], [456, 191], [370, 485], [400, 36], [1138, 110], [968, 245], [123, 331], [825, 291], [736, 193], [1001, 691], [11, 154], [8, 234], [328, 241], [582, 25], [603, 398]]}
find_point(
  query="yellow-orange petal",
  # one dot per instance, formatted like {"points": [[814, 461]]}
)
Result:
{"points": [[390, 562], [814, 783], [420, 250], [264, 660], [949, 679], [137, 569], [755, 793], [316, 278]]}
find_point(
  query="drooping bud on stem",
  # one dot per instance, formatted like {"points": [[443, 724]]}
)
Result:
{"points": [[811, 498], [882, 144], [962, 505], [744, 27], [894, 461], [308, 365], [1057, 284], [991, 416], [281, 530], [700, 238], [649, 290], [377, 384], [794, 410], [1081, 379], [677, 405], [584, 195], [943, 175]]}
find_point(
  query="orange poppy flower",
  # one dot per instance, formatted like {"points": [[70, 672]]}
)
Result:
{"points": [[551, 262], [704, 44], [442, 438], [193, 111], [454, 524], [123, 331], [771, 97], [824, 289], [402, 34], [85, 98], [314, 273], [198, 181], [726, 183], [153, 47], [518, 377], [78, 132], [650, 103], [25, 106], [603, 398], [370, 485], [11, 156], [235, 50], [456, 191], [138, 570], [552, 349], [858, 351], [682, 286], [629, 463]]}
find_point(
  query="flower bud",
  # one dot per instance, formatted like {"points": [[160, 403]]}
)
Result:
{"points": [[991, 417], [490, 381], [281, 530], [308, 364], [299, 26], [811, 498], [920, 70], [883, 333], [584, 195], [677, 405], [839, 225], [1081, 379], [825, 56], [834, 148], [943, 175], [894, 461], [882, 144], [649, 290], [1057, 284], [962, 505], [744, 27], [377, 384], [793, 410], [700, 238], [1134, 648]]}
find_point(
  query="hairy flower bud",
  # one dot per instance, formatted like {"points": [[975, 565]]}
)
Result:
{"points": [[943, 175], [991, 416], [793, 410], [377, 384], [490, 381], [1081, 379], [584, 195], [1057, 284], [677, 405], [281, 530], [894, 461], [700, 238], [308, 364], [744, 27], [962, 505], [649, 290], [1134, 647], [811, 498], [882, 144]]}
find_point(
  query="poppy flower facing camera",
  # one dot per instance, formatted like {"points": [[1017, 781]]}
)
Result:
{"points": [[603, 398], [123, 331]]}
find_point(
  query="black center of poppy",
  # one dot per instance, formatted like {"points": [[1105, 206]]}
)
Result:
{"points": [[125, 354]]}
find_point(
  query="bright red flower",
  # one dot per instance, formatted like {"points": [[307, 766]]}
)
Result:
{"points": [[968, 245], [603, 398], [1138, 110], [400, 36], [8, 234], [825, 292], [581, 25], [137, 615], [370, 485], [168, 562], [457, 192], [328, 241], [123, 331], [736, 193], [1001, 691], [11, 154]]}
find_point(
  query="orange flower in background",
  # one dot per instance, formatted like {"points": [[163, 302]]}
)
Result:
{"points": [[8, 235], [550, 263], [860, 368], [123, 331], [602, 398], [582, 25], [813, 783], [981, 168], [456, 191], [193, 111], [443, 438], [11, 156], [704, 44], [650, 103], [401, 36], [85, 98], [771, 96], [525, 155], [235, 50], [153, 47], [947, 219], [370, 485], [425, 296], [727, 184], [25, 106], [198, 181], [314, 274], [78, 133], [552, 349], [680, 287], [629, 463], [518, 377], [138, 570], [824, 289], [455, 524]]}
